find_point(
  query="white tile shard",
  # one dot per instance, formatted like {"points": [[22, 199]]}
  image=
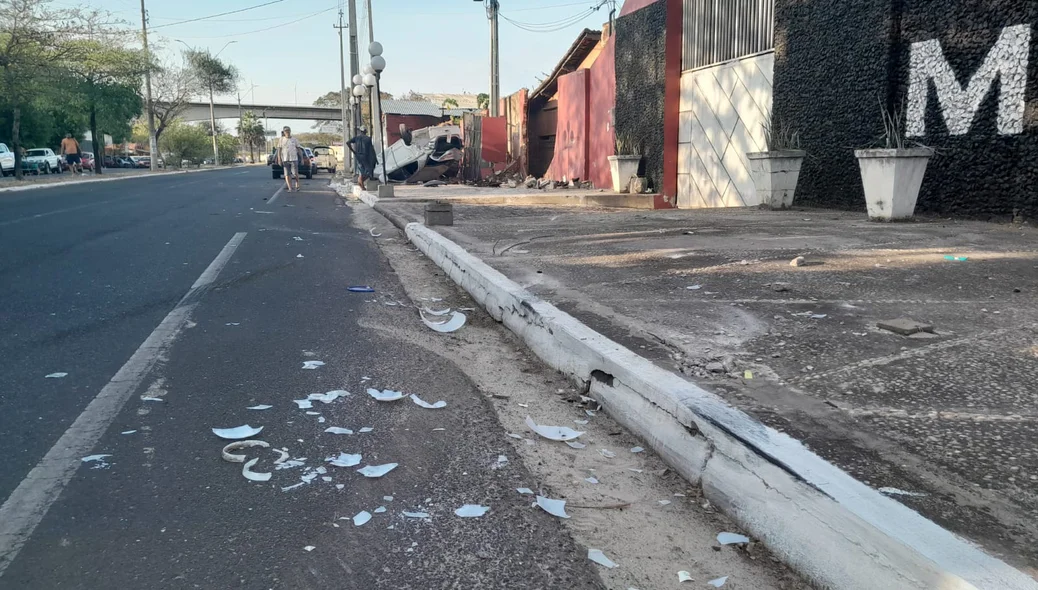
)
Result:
{"points": [[338, 430], [376, 470], [241, 444], [718, 582], [684, 576], [260, 407], [600, 558], [416, 514], [524, 491], [365, 429], [311, 365], [591, 479], [637, 450], [128, 432], [424, 404], [237, 433], [386, 395], [575, 444], [345, 460], [732, 538], [455, 321], [361, 518], [897, 492], [553, 507], [303, 404], [251, 475], [558, 433], [328, 397], [472, 511], [56, 376], [380, 510], [607, 453]]}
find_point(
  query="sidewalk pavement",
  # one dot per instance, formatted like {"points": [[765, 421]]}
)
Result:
{"points": [[943, 422]]}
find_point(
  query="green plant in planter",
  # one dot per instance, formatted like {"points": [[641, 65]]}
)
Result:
{"points": [[780, 135]]}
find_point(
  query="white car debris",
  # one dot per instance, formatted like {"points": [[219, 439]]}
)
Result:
{"points": [[310, 365], [453, 322], [553, 507], [732, 539], [237, 433], [303, 404], [241, 444], [684, 576], [338, 430], [472, 511], [420, 402], [361, 518], [55, 376], [558, 433], [376, 470], [251, 475], [718, 582], [345, 460], [386, 395], [260, 407], [328, 397], [600, 558]]}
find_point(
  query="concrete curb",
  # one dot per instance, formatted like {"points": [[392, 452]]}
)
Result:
{"points": [[832, 529], [15, 189], [624, 201]]}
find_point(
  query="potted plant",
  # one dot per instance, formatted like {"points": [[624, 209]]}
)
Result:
{"points": [[776, 171], [892, 175], [623, 166]]}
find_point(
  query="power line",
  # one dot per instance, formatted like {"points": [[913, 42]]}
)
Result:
{"points": [[192, 20], [550, 27], [267, 28]]}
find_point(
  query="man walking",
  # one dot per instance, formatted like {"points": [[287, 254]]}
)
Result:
{"points": [[363, 153], [70, 149], [288, 155]]}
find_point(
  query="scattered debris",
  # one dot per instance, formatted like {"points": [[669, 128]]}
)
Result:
{"points": [[99, 459], [312, 364], [502, 460], [251, 475], [345, 460], [260, 407], [366, 429], [304, 404], [581, 422], [362, 517], [607, 453], [472, 511], [452, 324], [55, 376], [663, 502], [436, 312], [591, 479], [128, 432], [418, 401], [338, 430], [553, 507], [360, 289], [376, 470], [897, 492], [956, 258], [309, 548], [233, 324], [299, 255], [694, 287], [297, 238], [637, 449], [575, 445], [149, 398], [416, 514], [558, 433], [524, 491], [718, 582], [819, 316], [904, 326], [380, 510], [600, 558], [780, 287], [292, 487], [515, 436], [684, 576], [747, 374], [373, 234], [237, 433], [328, 397], [241, 444], [732, 539], [387, 498], [386, 395], [798, 261]]}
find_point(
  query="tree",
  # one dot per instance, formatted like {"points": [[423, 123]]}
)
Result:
{"points": [[214, 76], [483, 100], [182, 141], [412, 95], [172, 89], [316, 139], [251, 133], [449, 103], [332, 99]]}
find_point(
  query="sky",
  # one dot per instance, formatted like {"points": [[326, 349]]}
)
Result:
{"points": [[288, 52]]}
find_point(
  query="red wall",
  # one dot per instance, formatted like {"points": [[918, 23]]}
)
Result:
{"points": [[602, 100], [632, 5], [571, 137], [494, 136]]}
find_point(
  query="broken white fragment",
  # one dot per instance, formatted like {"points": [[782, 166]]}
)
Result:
{"points": [[328, 397], [149, 398], [718, 582], [292, 487], [387, 498], [560, 433], [897, 492], [416, 514], [818, 316], [309, 548], [326, 478], [297, 238], [386, 395], [362, 517], [524, 491], [237, 433], [55, 376], [684, 576], [339, 486], [591, 479], [338, 430], [93, 458], [312, 364], [313, 413], [376, 470], [128, 432], [290, 464], [241, 444], [380, 510], [637, 449], [581, 422], [373, 234], [304, 404], [260, 407], [694, 287], [553, 507], [436, 312], [365, 429], [251, 475], [472, 511], [575, 444], [600, 558], [420, 402], [514, 435], [732, 538], [346, 460], [453, 322], [299, 255], [438, 429], [283, 456], [502, 460], [607, 453], [663, 502]]}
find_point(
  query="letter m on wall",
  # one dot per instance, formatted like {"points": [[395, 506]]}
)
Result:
{"points": [[1006, 61]]}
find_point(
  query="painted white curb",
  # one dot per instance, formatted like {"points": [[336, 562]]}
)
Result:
{"points": [[834, 530], [30, 187]]}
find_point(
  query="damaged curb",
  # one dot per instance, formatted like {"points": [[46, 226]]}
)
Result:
{"points": [[832, 529]]}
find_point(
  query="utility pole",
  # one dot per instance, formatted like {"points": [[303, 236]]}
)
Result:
{"points": [[371, 24], [495, 63], [354, 58], [241, 145], [212, 127], [153, 144], [342, 97]]}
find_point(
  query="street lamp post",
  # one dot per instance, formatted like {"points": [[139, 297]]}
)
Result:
{"points": [[378, 63], [358, 97]]}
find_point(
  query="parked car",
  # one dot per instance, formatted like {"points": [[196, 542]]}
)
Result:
{"points": [[123, 162], [108, 161], [6, 160], [41, 160], [141, 161], [306, 167], [87, 159], [325, 158]]}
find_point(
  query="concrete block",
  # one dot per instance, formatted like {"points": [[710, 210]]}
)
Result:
{"points": [[385, 190], [371, 185], [439, 214], [904, 326]]}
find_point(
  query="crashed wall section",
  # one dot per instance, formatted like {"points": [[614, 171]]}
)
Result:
{"points": [[571, 141]]}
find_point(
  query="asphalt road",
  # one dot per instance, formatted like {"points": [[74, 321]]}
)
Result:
{"points": [[201, 296]]}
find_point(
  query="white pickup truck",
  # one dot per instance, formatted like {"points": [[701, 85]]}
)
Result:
{"points": [[6, 160], [42, 161]]}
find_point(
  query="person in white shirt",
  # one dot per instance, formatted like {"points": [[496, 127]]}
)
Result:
{"points": [[288, 156]]}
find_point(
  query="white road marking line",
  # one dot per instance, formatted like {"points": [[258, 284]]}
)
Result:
{"points": [[276, 195], [29, 502]]}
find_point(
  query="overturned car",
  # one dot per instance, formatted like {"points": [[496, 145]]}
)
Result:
{"points": [[425, 154]]}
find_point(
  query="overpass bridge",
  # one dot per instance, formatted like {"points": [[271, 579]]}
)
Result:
{"points": [[199, 111]]}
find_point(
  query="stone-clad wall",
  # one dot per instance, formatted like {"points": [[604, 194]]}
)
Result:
{"points": [[964, 73]]}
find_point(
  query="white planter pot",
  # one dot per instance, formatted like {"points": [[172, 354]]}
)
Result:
{"points": [[891, 178], [775, 175], [623, 169]]}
